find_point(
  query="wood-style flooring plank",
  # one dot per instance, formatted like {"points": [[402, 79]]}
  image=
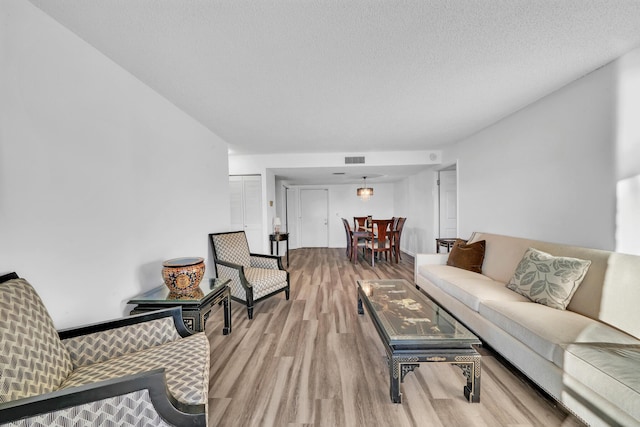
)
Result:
{"points": [[313, 361]]}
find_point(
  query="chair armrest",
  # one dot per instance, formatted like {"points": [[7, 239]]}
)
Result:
{"points": [[134, 396], [175, 313], [95, 342], [241, 277], [266, 261]]}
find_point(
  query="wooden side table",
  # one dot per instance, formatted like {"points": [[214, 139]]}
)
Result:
{"points": [[196, 307], [277, 238]]}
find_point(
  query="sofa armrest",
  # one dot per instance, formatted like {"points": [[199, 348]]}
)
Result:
{"points": [[97, 342], [428, 259], [266, 261], [136, 397]]}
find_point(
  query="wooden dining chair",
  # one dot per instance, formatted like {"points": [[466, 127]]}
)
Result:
{"points": [[355, 241], [381, 240], [397, 234], [359, 222]]}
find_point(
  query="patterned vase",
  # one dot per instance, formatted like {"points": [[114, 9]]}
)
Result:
{"points": [[183, 275]]}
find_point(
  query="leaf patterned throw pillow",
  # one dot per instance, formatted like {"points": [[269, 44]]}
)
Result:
{"points": [[548, 280]]}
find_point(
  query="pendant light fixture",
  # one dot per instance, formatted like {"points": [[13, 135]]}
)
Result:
{"points": [[365, 192]]}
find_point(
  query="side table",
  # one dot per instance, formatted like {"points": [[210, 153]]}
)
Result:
{"points": [[445, 242], [196, 306], [277, 238]]}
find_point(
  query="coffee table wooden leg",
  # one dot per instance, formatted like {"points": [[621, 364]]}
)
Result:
{"points": [[360, 308]]}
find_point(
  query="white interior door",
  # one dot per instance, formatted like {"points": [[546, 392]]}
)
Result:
{"points": [[246, 209], [314, 211], [448, 203]]}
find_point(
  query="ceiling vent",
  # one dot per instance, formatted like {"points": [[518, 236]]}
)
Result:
{"points": [[354, 160]]}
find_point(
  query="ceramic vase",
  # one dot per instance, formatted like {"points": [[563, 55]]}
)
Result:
{"points": [[183, 275]]}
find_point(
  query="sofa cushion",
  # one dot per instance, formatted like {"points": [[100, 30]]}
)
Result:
{"points": [[33, 360], [467, 256], [548, 280], [468, 287], [186, 364], [504, 253], [437, 273], [609, 369], [545, 330]]}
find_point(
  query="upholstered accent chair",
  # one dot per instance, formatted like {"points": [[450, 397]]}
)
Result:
{"points": [[147, 369], [254, 277]]}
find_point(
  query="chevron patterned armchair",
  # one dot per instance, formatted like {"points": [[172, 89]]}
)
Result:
{"points": [[144, 370], [254, 277]]}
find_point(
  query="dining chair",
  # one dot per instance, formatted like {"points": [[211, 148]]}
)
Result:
{"points": [[397, 234], [355, 241], [359, 222], [381, 239], [349, 235]]}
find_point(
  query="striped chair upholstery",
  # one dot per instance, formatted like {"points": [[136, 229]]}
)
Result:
{"points": [[34, 359], [253, 277], [143, 370]]}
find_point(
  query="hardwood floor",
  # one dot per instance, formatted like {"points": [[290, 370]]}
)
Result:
{"points": [[312, 361]]}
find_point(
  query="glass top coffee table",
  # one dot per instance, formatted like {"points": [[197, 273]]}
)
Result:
{"points": [[414, 329]]}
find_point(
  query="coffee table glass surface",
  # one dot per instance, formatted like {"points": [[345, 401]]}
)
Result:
{"points": [[408, 318], [161, 294]]}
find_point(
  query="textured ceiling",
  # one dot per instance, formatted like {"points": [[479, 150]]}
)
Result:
{"points": [[352, 76]]}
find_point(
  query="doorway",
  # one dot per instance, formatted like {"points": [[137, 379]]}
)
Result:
{"points": [[245, 193], [314, 214], [448, 202]]}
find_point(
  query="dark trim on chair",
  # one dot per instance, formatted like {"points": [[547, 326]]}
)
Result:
{"points": [[171, 410], [9, 276], [174, 312]]}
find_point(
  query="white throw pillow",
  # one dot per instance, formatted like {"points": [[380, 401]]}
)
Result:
{"points": [[547, 279]]}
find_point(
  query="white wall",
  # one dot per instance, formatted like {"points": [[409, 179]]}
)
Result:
{"points": [[416, 199], [100, 178], [628, 153], [546, 172]]}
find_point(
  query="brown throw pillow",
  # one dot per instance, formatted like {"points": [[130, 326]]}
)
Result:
{"points": [[467, 256]]}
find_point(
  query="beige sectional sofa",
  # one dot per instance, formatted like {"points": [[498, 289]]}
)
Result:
{"points": [[587, 357]]}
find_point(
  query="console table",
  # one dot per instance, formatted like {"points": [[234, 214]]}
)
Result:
{"points": [[277, 238], [196, 306]]}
